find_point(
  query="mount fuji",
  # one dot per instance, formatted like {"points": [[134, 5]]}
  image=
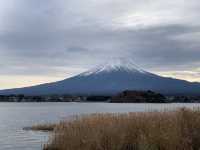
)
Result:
{"points": [[109, 79]]}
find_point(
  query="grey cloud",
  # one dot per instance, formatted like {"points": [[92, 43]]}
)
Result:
{"points": [[52, 34]]}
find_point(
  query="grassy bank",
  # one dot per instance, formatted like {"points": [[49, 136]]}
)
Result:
{"points": [[41, 127], [169, 130]]}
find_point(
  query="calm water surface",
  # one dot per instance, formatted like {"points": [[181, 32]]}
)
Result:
{"points": [[15, 116]]}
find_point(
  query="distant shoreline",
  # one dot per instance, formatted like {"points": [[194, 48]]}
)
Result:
{"points": [[123, 97]]}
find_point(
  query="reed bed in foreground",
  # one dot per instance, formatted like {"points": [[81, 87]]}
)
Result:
{"points": [[167, 130]]}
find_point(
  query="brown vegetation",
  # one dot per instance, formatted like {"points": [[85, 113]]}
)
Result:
{"points": [[168, 130]]}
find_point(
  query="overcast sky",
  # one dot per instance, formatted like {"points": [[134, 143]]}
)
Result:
{"points": [[48, 40]]}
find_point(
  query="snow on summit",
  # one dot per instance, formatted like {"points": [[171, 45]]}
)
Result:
{"points": [[126, 65]]}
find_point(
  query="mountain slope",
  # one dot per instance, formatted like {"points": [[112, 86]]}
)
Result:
{"points": [[109, 79]]}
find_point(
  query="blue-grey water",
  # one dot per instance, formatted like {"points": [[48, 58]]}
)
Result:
{"points": [[15, 116]]}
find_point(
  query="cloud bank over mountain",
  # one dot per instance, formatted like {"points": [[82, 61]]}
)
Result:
{"points": [[52, 39]]}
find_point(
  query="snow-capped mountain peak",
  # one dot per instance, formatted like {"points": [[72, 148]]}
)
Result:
{"points": [[125, 65], [108, 79]]}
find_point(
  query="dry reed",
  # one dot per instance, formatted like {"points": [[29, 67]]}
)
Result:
{"points": [[167, 130]]}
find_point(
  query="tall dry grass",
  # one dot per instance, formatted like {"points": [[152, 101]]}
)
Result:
{"points": [[168, 130]]}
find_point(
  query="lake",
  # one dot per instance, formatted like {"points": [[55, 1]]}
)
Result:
{"points": [[15, 116]]}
